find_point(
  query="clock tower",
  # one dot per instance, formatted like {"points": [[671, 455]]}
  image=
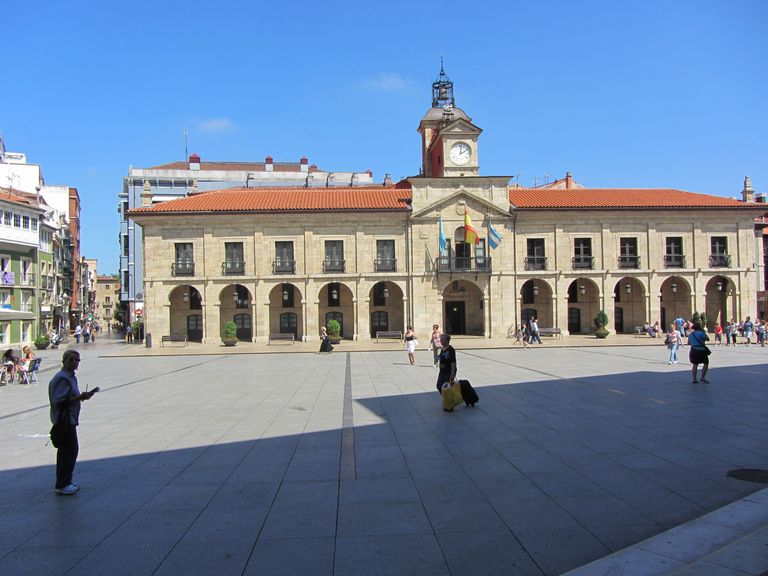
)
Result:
{"points": [[448, 137]]}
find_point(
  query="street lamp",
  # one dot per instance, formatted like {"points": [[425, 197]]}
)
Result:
{"points": [[385, 293], [334, 294], [582, 289], [720, 286], [628, 288], [535, 290]]}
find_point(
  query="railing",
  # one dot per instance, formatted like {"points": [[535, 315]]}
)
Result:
{"points": [[333, 265], [583, 262], [27, 279], [463, 264], [284, 267], [183, 268], [536, 263], [229, 267], [385, 265], [674, 261], [719, 260], [629, 261]]}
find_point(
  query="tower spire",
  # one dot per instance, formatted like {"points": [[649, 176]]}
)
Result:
{"points": [[442, 90]]}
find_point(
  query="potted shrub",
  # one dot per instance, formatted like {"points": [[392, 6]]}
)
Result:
{"points": [[601, 321], [230, 334], [334, 331], [42, 341]]}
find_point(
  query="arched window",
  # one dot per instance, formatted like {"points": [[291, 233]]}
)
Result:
{"points": [[288, 324], [379, 322]]}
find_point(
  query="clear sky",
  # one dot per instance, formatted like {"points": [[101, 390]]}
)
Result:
{"points": [[657, 93]]}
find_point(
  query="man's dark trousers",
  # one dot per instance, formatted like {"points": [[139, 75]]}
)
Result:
{"points": [[66, 456]]}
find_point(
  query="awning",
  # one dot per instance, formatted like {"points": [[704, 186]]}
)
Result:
{"points": [[8, 314]]}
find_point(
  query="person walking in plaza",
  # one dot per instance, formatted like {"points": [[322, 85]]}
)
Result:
{"points": [[679, 325], [718, 334], [748, 327], [325, 341], [78, 333], [534, 327], [434, 344], [65, 399], [410, 344], [734, 331], [699, 353], [673, 342], [761, 333], [447, 372], [128, 334]]}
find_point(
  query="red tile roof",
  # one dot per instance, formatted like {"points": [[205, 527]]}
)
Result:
{"points": [[18, 196], [236, 166], [619, 198], [286, 199]]}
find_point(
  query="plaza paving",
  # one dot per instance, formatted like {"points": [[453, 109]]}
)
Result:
{"points": [[195, 461]]}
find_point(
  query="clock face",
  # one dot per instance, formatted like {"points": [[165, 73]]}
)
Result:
{"points": [[460, 153]]}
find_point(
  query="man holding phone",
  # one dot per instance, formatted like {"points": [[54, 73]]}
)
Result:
{"points": [[65, 398]]}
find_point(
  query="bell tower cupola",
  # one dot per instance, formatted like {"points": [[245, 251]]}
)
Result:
{"points": [[448, 137]]}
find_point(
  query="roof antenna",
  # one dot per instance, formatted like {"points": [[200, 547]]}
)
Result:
{"points": [[186, 142]]}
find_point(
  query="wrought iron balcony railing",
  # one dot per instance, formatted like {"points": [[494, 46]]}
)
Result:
{"points": [[229, 267], [719, 260], [27, 279], [674, 261], [583, 262], [464, 264], [183, 268], [334, 265], [536, 263], [385, 265], [284, 267], [629, 261]]}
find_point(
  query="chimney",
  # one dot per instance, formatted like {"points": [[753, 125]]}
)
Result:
{"points": [[760, 198], [146, 195], [194, 162], [268, 164], [747, 194], [387, 180], [568, 180], [304, 164]]}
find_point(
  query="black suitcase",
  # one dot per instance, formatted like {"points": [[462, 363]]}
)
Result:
{"points": [[468, 393]]}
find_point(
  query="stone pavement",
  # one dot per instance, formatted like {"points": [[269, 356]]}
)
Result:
{"points": [[209, 462]]}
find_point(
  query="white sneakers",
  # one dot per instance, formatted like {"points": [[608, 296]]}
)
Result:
{"points": [[67, 490]]}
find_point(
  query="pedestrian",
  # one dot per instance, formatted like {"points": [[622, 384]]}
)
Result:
{"points": [[699, 353], [718, 334], [748, 327], [325, 341], [447, 372], [734, 331], [679, 325], [128, 334], [65, 398], [673, 342], [535, 331], [434, 343], [526, 336], [410, 344], [761, 333], [78, 333]]}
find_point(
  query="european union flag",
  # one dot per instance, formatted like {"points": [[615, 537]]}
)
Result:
{"points": [[443, 242]]}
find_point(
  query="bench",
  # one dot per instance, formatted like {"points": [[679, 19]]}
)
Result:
{"points": [[280, 336], [389, 334], [550, 332], [170, 339]]}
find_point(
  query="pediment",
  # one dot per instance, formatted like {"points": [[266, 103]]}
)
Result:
{"points": [[462, 195], [460, 126]]}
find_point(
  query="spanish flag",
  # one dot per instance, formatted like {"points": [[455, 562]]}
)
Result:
{"points": [[470, 234]]}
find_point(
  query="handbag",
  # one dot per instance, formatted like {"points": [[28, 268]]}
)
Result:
{"points": [[60, 428], [451, 394]]}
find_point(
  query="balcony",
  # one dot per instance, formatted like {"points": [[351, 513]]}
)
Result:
{"points": [[674, 261], [583, 262], [385, 265], [232, 267], [183, 268], [463, 264], [719, 260], [284, 267], [536, 263], [28, 279], [333, 265], [629, 262]]}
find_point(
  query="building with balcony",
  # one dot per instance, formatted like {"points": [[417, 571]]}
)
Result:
{"points": [[376, 258], [180, 179]]}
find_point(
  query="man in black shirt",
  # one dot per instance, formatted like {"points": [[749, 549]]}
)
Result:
{"points": [[447, 362]]}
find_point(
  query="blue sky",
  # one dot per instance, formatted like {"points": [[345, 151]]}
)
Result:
{"points": [[665, 94]]}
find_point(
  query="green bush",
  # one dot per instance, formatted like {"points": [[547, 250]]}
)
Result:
{"points": [[230, 330], [601, 319], [334, 328], [42, 341]]}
